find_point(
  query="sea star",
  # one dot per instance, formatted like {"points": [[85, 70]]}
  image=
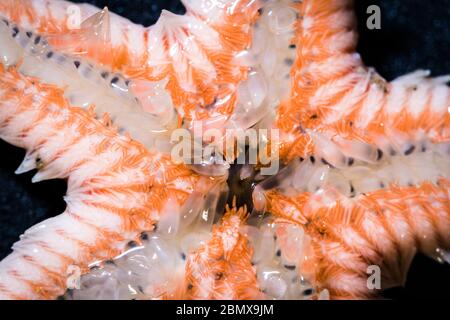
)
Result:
{"points": [[345, 133]]}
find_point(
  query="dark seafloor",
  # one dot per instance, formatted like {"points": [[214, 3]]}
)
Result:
{"points": [[414, 34]]}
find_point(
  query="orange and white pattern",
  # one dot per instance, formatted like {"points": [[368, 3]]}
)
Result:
{"points": [[194, 52], [368, 159], [366, 162], [116, 188]]}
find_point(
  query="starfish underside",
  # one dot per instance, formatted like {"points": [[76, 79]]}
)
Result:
{"points": [[365, 161]]}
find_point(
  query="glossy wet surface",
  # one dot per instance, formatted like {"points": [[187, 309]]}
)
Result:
{"points": [[414, 35]]}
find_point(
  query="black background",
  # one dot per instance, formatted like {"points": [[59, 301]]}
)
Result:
{"points": [[415, 34]]}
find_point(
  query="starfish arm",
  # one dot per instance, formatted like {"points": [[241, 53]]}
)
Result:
{"points": [[195, 51], [326, 44], [334, 93], [222, 268], [341, 122], [116, 188], [383, 228], [77, 28]]}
